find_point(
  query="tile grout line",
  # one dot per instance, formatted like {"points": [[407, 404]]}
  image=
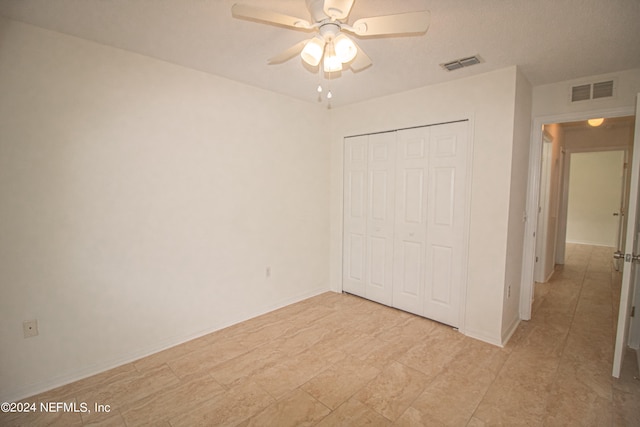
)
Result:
{"points": [[495, 377], [566, 338]]}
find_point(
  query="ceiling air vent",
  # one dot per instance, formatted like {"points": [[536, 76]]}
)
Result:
{"points": [[603, 89], [580, 93], [598, 90], [461, 63]]}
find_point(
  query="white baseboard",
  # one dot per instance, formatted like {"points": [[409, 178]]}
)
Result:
{"points": [[483, 337], [576, 242], [510, 331]]}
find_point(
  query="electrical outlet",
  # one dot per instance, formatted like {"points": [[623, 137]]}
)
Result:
{"points": [[509, 292], [30, 328], [267, 272]]}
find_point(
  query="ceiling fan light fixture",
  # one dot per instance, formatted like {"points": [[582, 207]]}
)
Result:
{"points": [[312, 52], [332, 62], [328, 19], [595, 122], [345, 49]]}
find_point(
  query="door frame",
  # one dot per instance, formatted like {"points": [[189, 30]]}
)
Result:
{"points": [[533, 192]]}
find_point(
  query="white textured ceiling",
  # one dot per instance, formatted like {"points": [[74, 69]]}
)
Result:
{"points": [[551, 40]]}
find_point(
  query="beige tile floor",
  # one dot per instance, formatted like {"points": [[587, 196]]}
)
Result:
{"points": [[341, 360]]}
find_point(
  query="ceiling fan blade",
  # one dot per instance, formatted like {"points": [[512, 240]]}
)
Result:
{"points": [[258, 14], [361, 61], [289, 53], [402, 23], [337, 9]]}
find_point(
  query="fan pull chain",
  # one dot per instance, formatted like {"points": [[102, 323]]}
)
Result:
{"points": [[329, 94], [320, 89]]}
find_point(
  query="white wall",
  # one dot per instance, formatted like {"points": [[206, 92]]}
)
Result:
{"points": [[488, 100], [141, 203], [554, 99], [517, 206], [602, 138], [595, 191]]}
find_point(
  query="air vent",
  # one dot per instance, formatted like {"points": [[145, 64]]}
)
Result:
{"points": [[461, 63], [580, 93], [589, 91], [603, 89]]}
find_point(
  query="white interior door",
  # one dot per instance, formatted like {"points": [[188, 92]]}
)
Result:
{"points": [[634, 326], [355, 215], [446, 207], [380, 218], [411, 217], [629, 282], [622, 213], [543, 212]]}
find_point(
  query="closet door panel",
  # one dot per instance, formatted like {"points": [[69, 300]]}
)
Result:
{"points": [[379, 249], [410, 224], [354, 274], [380, 218], [355, 246], [440, 274], [446, 192], [409, 273]]}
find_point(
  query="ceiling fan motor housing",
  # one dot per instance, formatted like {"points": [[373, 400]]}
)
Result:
{"points": [[329, 30]]}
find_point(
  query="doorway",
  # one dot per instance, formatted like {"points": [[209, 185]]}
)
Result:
{"points": [[555, 129], [583, 192], [615, 118]]}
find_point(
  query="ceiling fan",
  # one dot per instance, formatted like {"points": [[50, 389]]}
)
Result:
{"points": [[331, 45]]}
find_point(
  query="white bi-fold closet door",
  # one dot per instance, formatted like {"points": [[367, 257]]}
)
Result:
{"points": [[405, 199]]}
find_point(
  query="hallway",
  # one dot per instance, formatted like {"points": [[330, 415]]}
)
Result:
{"points": [[569, 348]]}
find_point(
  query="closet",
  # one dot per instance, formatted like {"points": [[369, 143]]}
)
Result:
{"points": [[405, 219]]}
